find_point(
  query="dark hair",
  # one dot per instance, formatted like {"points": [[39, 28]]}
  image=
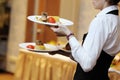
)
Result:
{"points": [[113, 2]]}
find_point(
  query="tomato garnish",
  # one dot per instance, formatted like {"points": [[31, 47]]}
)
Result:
{"points": [[30, 46]]}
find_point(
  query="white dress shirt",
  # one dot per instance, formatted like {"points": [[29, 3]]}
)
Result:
{"points": [[103, 34]]}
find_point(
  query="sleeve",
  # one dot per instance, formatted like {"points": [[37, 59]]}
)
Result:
{"points": [[87, 54]]}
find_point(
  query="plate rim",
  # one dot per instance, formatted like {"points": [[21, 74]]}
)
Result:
{"points": [[68, 51], [20, 45], [46, 23]]}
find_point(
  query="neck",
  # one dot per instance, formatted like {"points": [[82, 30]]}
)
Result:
{"points": [[105, 5]]}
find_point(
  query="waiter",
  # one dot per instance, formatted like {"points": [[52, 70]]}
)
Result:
{"points": [[100, 45]]}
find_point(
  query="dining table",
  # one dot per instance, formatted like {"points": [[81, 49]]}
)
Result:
{"points": [[33, 65]]}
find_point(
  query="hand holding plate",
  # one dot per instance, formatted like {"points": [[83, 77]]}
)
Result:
{"points": [[61, 30]]}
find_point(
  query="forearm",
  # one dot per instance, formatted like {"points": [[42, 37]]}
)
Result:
{"points": [[81, 55]]}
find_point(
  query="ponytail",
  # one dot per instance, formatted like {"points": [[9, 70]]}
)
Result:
{"points": [[113, 2]]}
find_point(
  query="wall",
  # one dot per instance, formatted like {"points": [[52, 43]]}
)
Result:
{"points": [[17, 31], [86, 14], [81, 12], [69, 9]]}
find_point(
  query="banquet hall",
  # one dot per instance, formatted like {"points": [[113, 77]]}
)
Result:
{"points": [[19, 63]]}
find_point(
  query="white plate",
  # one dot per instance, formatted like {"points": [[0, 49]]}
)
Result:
{"points": [[62, 21], [64, 50], [114, 70], [51, 47]]}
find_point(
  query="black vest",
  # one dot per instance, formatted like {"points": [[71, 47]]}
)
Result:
{"points": [[100, 70]]}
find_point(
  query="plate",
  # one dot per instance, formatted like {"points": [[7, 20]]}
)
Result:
{"points": [[64, 50], [50, 48], [114, 70], [63, 21]]}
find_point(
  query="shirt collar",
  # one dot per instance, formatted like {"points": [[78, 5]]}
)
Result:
{"points": [[107, 9]]}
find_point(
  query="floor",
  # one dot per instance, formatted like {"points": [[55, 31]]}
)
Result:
{"points": [[6, 75]]}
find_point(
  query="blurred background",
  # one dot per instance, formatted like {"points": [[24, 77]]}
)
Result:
{"points": [[5, 9]]}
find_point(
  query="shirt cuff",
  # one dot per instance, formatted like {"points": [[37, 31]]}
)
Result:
{"points": [[73, 42]]}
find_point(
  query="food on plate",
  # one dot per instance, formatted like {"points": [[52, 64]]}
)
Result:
{"points": [[45, 18], [52, 42], [39, 45], [52, 45], [30, 46], [51, 19], [57, 18]]}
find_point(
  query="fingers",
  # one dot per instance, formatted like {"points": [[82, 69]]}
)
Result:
{"points": [[61, 25], [54, 29], [58, 31], [56, 26], [52, 26]]}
